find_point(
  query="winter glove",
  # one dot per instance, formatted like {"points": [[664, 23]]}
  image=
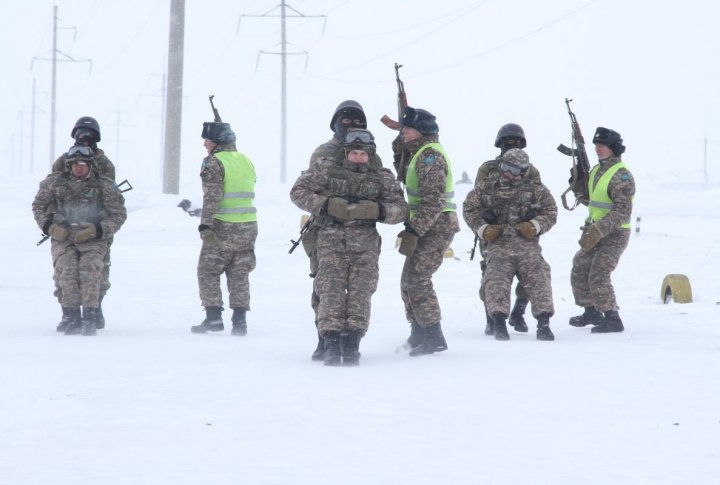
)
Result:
{"points": [[337, 207], [408, 242], [527, 229], [364, 209], [87, 232], [591, 236], [57, 232], [491, 232], [206, 233]]}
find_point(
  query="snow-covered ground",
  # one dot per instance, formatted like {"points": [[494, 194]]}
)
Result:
{"points": [[147, 402]]}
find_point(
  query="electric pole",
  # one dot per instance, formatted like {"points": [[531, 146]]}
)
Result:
{"points": [[174, 90], [283, 68]]}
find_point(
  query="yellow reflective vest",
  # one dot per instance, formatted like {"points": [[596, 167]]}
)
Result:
{"points": [[411, 181], [239, 188], [600, 203]]}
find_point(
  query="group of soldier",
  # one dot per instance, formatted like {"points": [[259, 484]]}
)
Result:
{"points": [[347, 191]]}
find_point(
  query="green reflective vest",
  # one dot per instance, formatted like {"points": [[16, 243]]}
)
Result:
{"points": [[411, 182], [600, 203], [239, 187]]}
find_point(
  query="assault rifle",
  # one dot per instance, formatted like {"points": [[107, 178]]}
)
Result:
{"points": [[580, 170], [401, 102], [303, 230], [214, 109]]}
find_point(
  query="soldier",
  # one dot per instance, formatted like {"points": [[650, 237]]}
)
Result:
{"points": [[81, 211], [86, 134], [348, 115], [509, 214], [228, 228], [351, 198], [605, 235], [422, 164], [510, 135]]}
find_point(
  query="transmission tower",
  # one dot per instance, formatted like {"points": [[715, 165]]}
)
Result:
{"points": [[283, 15]]}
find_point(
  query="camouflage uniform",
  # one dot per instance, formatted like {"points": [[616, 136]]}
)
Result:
{"points": [[231, 250], [435, 229], [512, 254], [69, 201], [590, 276], [347, 250]]}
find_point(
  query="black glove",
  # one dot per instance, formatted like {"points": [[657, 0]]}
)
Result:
{"points": [[489, 216], [206, 233]]}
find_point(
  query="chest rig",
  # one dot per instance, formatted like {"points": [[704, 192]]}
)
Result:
{"points": [[79, 200], [354, 186], [511, 203]]}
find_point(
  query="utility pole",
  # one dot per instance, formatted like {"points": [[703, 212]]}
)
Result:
{"points": [[118, 125], [53, 89], [174, 90], [283, 67]]}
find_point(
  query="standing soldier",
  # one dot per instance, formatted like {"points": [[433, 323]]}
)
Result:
{"points": [[348, 115], [351, 198], [81, 211], [509, 214], [510, 135], [86, 134], [605, 236], [228, 228], [424, 167]]}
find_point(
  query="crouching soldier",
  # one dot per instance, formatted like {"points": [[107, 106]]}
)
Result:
{"points": [[351, 198], [81, 211], [509, 214]]}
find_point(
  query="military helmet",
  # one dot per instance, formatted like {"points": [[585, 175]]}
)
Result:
{"points": [[352, 108], [609, 138], [510, 130], [516, 161], [359, 139], [218, 132], [84, 124]]}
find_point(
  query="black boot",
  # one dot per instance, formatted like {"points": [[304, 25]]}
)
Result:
{"points": [[73, 325], [517, 315], [212, 323], [89, 320], [611, 323], [66, 320], [332, 348], [100, 320], [489, 325], [501, 332], [591, 317], [351, 349], [239, 323], [543, 328], [319, 352], [433, 341], [415, 337]]}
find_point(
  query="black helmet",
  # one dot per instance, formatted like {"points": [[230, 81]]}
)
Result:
{"points": [[511, 130], [609, 138], [218, 132], [359, 139], [352, 108], [83, 125]]}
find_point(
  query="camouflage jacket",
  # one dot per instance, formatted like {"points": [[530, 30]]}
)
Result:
{"points": [[432, 173], [528, 201], [621, 190], [102, 164], [491, 170]]}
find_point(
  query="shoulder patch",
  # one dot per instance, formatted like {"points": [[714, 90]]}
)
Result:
{"points": [[625, 177], [429, 159]]}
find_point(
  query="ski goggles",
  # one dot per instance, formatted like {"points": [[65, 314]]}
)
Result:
{"points": [[359, 137], [516, 170], [77, 150]]}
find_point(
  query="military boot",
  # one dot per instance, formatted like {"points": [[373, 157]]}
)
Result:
{"points": [[415, 335], [433, 341], [72, 326], [351, 349], [501, 332], [66, 320], [89, 320], [212, 323], [319, 352], [591, 316], [332, 349], [517, 315], [239, 322], [489, 325], [611, 323], [543, 328], [100, 320]]}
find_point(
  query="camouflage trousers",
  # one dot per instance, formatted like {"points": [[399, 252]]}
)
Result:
{"points": [[416, 286], [78, 271], [590, 275], [520, 292], [104, 285], [232, 251], [523, 259], [345, 282]]}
